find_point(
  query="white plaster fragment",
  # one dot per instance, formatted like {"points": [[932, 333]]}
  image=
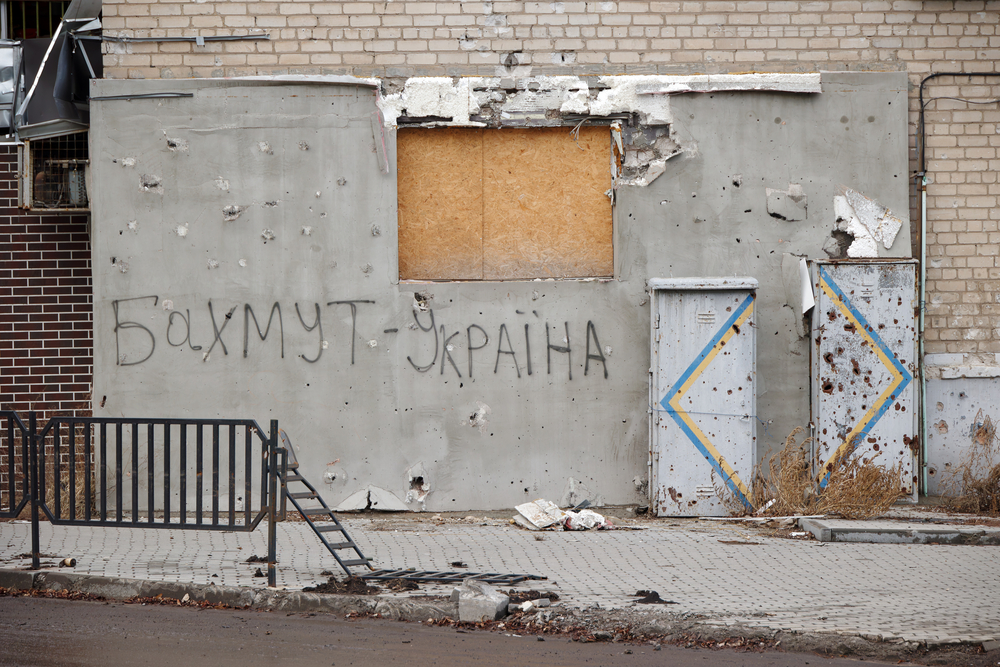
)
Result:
{"points": [[607, 350], [373, 344], [879, 220], [222, 184], [267, 235], [133, 225], [242, 263], [181, 230], [168, 304], [325, 344], [213, 264]]}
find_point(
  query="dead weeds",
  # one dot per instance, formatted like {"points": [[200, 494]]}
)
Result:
{"points": [[973, 486], [855, 487]]}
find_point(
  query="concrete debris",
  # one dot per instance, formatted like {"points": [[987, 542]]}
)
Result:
{"points": [[790, 204], [67, 562], [543, 514], [478, 601], [528, 605], [539, 515]]}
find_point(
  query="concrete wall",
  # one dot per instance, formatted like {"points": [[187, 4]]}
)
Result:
{"points": [[311, 221]]}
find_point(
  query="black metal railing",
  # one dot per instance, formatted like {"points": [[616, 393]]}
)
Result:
{"points": [[189, 474], [14, 455]]}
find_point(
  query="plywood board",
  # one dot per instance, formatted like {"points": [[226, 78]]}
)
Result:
{"points": [[545, 211], [440, 197]]}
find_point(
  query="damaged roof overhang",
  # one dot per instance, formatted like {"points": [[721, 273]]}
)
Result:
{"points": [[53, 97]]}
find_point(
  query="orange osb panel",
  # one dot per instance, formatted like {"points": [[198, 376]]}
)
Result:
{"points": [[440, 195], [546, 214], [504, 204]]}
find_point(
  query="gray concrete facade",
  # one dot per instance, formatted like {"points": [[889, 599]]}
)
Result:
{"points": [[247, 194]]}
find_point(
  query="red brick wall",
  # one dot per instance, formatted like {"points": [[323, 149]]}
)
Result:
{"points": [[46, 311]]}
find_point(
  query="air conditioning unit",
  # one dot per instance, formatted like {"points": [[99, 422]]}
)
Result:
{"points": [[54, 173]]}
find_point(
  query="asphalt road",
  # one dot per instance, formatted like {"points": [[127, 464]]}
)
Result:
{"points": [[40, 632]]}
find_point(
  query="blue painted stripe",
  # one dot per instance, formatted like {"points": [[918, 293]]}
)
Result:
{"points": [[906, 376], [869, 328], [676, 388], [704, 353]]}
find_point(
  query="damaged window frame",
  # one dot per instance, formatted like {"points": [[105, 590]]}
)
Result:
{"points": [[47, 107], [572, 123]]}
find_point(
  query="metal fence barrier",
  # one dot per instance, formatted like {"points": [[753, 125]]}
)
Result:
{"points": [[187, 474]]}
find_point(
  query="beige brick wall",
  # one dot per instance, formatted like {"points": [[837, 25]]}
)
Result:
{"points": [[414, 38]]}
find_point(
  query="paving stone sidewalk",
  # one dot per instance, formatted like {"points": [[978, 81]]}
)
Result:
{"points": [[923, 593]]}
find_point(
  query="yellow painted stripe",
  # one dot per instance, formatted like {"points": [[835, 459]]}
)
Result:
{"points": [[898, 377], [675, 402]]}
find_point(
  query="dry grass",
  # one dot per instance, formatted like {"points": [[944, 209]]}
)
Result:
{"points": [[858, 488], [78, 498], [974, 484]]}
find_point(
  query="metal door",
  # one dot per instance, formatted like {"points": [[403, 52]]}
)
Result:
{"points": [[703, 381], [863, 361]]}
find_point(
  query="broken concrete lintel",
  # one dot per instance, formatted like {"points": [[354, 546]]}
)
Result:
{"points": [[785, 83]]}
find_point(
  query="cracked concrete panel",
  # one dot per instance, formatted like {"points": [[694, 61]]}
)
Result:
{"points": [[790, 204]]}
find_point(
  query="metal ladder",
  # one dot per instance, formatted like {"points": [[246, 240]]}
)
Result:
{"points": [[322, 513]]}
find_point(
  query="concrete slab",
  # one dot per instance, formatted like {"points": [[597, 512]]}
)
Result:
{"points": [[899, 532]]}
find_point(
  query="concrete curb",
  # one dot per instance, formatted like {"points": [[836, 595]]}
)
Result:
{"points": [[112, 588], [882, 532]]}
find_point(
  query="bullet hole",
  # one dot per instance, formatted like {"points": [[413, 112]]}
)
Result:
{"points": [[849, 327], [844, 119], [104, 399], [855, 367]]}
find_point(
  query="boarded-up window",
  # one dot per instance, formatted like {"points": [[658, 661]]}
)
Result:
{"points": [[504, 204]]}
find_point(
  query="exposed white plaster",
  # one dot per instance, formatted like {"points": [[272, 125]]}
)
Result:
{"points": [[878, 219], [480, 418], [647, 95], [168, 304], [222, 184], [267, 235], [265, 148], [181, 230], [431, 96], [213, 264], [242, 263], [133, 225]]}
